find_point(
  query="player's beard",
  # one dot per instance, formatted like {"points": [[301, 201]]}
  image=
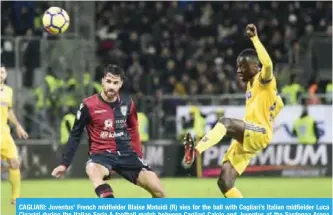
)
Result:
{"points": [[110, 94]]}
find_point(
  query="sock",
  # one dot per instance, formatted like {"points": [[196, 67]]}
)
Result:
{"points": [[211, 138], [104, 191], [15, 181], [233, 193]]}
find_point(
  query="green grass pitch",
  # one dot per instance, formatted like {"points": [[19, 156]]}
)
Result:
{"points": [[175, 187]]}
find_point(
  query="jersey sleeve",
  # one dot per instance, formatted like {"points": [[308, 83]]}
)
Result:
{"points": [[133, 129], [82, 119], [266, 73]]}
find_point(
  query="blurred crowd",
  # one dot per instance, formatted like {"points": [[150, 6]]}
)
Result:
{"points": [[191, 47], [184, 47]]}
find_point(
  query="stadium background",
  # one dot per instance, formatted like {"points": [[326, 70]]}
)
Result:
{"points": [[175, 54]]}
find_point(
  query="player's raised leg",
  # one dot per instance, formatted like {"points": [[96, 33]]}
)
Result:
{"points": [[225, 127], [149, 181], [96, 173]]}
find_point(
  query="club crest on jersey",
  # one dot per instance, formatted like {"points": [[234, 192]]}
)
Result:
{"points": [[248, 95], [108, 124], [123, 110]]}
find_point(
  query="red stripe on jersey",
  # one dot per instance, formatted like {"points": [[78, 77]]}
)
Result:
{"points": [[101, 125]]}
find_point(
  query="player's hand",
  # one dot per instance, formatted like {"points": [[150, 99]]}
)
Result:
{"points": [[251, 30], [21, 133], [59, 171]]}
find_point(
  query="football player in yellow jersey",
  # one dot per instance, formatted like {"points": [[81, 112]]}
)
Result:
{"points": [[8, 148], [254, 132]]}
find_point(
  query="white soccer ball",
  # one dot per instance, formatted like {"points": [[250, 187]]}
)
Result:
{"points": [[55, 20]]}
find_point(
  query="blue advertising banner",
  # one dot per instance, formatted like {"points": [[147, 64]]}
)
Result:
{"points": [[174, 206]]}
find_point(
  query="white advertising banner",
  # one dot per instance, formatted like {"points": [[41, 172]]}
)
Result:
{"points": [[283, 125]]}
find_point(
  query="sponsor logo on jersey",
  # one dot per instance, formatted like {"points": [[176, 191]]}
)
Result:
{"points": [[108, 124], [108, 135], [120, 123], [100, 111]]}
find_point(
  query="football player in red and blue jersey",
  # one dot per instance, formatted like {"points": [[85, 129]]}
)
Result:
{"points": [[110, 118]]}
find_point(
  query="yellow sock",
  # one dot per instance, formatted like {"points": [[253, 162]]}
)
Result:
{"points": [[211, 138], [233, 193], [15, 181]]}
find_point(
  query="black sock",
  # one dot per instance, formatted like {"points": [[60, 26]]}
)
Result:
{"points": [[104, 191]]}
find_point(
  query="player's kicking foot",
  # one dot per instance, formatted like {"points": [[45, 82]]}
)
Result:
{"points": [[189, 156]]}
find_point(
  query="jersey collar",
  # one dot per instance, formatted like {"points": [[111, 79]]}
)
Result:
{"points": [[117, 102]]}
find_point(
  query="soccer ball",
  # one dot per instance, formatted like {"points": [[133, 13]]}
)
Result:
{"points": [[55, 20]]}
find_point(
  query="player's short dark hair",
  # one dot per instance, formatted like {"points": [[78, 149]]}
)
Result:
{"points": [[114, 70], [250, 54]]}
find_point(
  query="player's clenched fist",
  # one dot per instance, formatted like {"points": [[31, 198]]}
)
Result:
{"points": [[251, 30], [59, 171]]}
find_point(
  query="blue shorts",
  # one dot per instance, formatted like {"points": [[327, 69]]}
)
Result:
{"points": [[127, 165]]}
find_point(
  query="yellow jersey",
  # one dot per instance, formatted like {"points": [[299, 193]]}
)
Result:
{"points": [[6, 102], [263, 103]]}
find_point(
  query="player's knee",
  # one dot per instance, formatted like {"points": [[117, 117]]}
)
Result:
{"points": [[227, 122], [92, 170], [150, 182], [14, 163]]}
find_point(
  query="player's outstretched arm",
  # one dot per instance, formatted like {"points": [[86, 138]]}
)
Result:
{"points": [[82, 118], [267, 70]]}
